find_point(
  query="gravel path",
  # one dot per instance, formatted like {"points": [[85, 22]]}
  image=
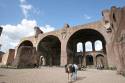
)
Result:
{"points": [[58, 75]]}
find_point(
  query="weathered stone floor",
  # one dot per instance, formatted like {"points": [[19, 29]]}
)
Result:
{"points": [[58, 75]]}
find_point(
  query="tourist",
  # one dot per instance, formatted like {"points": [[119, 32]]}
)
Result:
{"points": [[68, 70], [74, 71]]}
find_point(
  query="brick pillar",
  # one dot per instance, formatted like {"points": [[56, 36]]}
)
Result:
{"points": [[120, 60], [94, 60], [84, 61], [105, 62], [63, 53], [94, 56], [111, 55], [93, 46]]}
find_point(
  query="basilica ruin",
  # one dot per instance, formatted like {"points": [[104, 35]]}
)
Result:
{"points": [[58, 48], [1, 53]]}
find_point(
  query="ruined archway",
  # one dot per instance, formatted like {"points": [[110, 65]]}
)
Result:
{"points": [[26, 43], [83, 36], [26, 55], [89, 60], [50, 47]]}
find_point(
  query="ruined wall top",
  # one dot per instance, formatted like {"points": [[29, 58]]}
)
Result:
{"points": [[106, 19], [114, 21], [106, 15], [112, 17], [66, 25], [37, 31], [1, 30], [118, 23]]}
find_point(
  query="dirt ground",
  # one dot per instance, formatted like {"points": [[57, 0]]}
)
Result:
{"points": [[58, 75]]}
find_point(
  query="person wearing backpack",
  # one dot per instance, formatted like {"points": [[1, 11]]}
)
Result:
{"points": [[74, 71]]}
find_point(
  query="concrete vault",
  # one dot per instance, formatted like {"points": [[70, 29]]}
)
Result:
{"points": [[49, 50], [85, 57], [26, 55]]}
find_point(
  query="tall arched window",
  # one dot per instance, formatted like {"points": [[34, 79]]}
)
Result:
{"points": [[98, 45], [79, 47], [88, 46]]}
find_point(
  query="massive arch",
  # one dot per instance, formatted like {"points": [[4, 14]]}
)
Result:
{"points": [[50, 48], [26, 43], [26, 55], [83, 35]]}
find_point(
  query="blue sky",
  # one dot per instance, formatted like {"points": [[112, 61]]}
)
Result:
{"points": [[20, 16], [56, 12]]}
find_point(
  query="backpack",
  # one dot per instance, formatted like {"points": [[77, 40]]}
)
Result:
{"points": [[73, 68]]}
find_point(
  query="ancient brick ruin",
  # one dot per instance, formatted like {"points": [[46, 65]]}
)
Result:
{"points": [[1, 53], [58, 48]]}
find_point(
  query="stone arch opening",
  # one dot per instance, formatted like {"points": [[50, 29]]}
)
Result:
{"points": [[100, 60], [50, 48], [26, 55], [98, 45], [88, 46], [89, 60], [79, 47], [26, 43], [83, 36]]}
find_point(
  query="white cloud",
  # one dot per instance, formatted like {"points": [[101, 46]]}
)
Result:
{"points": [[12, 34], [47, 28], [36, 11], [26, 8], [23, 1], [85, 16], [28, 23]]}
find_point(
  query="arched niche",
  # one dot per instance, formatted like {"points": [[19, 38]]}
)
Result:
{"points": [[50, 48]]}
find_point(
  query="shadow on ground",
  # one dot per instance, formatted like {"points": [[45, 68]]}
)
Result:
{"points": [[78, 79], [1, 75]]}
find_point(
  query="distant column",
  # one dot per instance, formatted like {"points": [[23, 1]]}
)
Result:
{"points": [[94, 52], [84, 57], [94, 60], [93, 46]]}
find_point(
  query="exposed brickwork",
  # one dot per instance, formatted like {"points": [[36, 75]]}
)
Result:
{"points": [[111, 30], [1, 55], [10, 57]]}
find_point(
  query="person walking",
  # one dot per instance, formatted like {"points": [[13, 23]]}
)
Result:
{"points": [[68, 70], [74, 71]]}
